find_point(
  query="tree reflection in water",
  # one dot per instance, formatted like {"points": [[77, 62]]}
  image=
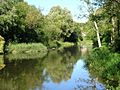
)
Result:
{"points": [[56, 71]]}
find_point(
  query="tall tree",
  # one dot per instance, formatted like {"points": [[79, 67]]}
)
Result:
{"points": [[97, 31], [92, 6], [112, 10], [58, 23], [30, 22]]}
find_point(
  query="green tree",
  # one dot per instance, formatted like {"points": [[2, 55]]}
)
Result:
{"points": [[59, 25], [21, 23], [30, 22], [7, 18], [107, 12]]}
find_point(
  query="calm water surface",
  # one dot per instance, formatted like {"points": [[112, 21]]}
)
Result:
{"points": [[58, 70]]}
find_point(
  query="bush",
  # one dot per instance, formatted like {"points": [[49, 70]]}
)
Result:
{"points": [[105, 65], [100, 53]]}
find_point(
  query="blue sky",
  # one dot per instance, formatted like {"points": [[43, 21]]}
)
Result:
{"points": [[72, 5]]}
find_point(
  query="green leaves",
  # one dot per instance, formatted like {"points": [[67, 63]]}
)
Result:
{"points": [[20, 22], [59, 24]]}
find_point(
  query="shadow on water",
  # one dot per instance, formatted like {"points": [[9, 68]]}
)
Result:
{"points": [[58, 70]]}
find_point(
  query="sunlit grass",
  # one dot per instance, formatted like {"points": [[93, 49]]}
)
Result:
{"points": [[65, 44], [27, 48], [26, 51]]}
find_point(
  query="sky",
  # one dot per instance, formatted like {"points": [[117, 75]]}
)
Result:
{"points": [[73, 5]]}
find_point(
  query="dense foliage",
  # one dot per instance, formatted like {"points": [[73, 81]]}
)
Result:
{"points": [[104, 62], [106, 13], [105, 65], [22, 23]]}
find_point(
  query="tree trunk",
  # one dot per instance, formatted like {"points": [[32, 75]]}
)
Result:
{"points": [[118, 27], [113, 30], [97, 32]]}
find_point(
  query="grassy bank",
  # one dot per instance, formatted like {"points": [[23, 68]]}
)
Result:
{"points": [[26, 51], [64, 44], [105, 65]]}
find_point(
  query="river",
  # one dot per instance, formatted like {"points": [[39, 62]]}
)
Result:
{"points": [[63, 69]]}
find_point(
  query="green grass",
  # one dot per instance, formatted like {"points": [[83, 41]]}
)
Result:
{"points": [[26, 51], [65, 44]]}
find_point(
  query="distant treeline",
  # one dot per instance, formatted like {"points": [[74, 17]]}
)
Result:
{"points": [[23, 23]]}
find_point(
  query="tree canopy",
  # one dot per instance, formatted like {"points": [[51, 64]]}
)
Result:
{"points": [[23, 23]]}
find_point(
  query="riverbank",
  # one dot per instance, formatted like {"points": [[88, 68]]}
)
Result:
{"points": [[31, 50], [105, 65], [26, 51], [62, 45]]}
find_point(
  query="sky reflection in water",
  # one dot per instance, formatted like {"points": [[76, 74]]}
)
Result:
{"points": [[80, 80]]}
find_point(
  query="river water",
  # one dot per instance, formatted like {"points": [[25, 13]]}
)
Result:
{"points": [[63, 69]]}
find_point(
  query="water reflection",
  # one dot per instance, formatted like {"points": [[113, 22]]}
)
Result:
{"points": [[80, 80], [59, 70], [21, 75]]}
